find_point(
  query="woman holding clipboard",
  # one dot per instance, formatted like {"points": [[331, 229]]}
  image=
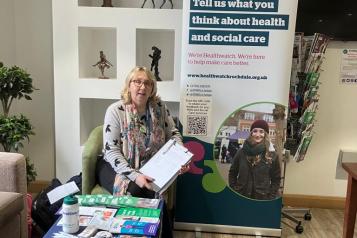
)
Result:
{"points": [[135, 128]]}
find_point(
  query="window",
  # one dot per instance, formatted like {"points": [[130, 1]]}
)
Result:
{"points": [[268, 118], [249, 116], [271, 132], [245, 128]]}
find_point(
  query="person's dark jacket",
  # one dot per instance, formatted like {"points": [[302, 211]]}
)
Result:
{"points": [[259, 181]]}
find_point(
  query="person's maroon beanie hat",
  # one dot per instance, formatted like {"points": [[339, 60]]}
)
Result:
{"points": [[260, 124]]}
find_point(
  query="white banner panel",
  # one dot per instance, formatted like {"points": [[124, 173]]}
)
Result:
{"points": [[234, 53]]}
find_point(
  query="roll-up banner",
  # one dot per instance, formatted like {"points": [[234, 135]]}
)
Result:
{"points": [[236, 64]]}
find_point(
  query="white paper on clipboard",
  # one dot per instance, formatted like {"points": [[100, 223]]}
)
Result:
{"points": [[165, 165]]}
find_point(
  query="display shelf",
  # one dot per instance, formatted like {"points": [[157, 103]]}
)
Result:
{"points": [[106, 89], [79, 33], [164, 40], [131, 36], [92, 40], [92, 111], [177, 4]]}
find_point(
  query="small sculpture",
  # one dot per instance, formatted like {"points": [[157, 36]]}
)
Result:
{"points": [[156, 56], [102, 64], [164, 1], [107, 3], [153, 4]]}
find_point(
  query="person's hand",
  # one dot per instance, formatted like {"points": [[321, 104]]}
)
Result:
{"points": [[184, 169], [144, 181]]}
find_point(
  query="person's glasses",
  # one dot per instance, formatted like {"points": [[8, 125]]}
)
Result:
{"points": [[138, 83]]}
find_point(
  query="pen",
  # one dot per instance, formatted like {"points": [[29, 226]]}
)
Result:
{"points": [[168, 148]]}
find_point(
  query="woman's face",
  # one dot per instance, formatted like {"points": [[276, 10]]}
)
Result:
{"points": [[140, 88], [258, 135]]}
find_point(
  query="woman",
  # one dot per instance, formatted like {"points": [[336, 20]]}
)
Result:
{"points": [[255, 169], [135, 128]]}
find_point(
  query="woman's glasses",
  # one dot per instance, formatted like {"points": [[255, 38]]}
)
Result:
{"points": [[138, 83]]}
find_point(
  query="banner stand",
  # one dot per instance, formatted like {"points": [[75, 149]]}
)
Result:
{"points": [[235, 65]]}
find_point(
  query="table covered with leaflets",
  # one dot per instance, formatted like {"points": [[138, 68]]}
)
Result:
{"points": [[103, 216]]}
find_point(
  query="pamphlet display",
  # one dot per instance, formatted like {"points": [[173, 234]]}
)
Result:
{"points": [[303, 96]]}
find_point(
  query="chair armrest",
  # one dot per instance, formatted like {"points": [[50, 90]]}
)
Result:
{"points": [[13, 179], [11, 204], [92, 148], [13, 173]]}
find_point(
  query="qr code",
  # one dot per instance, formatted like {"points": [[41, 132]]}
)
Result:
{"points": [[197, 125]]}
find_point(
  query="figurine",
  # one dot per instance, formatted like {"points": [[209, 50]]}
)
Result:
{"points": [[153, 4], [164, 1], [156, 56], [107, 3], [102, 64]]}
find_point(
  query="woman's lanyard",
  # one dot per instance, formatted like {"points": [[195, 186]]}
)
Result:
{"points": [[148, 124]]}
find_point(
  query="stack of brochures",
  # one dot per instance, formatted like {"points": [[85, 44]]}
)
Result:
{"points": [[117, 201]]}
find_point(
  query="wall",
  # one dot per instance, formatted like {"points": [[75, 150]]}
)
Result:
{"points": [[7, 29], [26, 40], [335, 129]]}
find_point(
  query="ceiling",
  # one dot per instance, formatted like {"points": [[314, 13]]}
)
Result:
{"points": [[337, 19]]}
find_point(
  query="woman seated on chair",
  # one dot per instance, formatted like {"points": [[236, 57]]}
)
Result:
{"points": [[135, 128]]}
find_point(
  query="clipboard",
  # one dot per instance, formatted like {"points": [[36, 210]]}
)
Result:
{"points": [[165, 165]]}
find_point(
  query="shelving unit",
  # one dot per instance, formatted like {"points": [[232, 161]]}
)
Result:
{"points": [[132, 3], [126, 34]]}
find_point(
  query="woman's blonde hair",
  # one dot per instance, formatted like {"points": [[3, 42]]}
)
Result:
{"points": [[125, 94]]}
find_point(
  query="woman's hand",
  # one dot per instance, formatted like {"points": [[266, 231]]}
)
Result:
{"points": [[144, 181], [184, 169]]}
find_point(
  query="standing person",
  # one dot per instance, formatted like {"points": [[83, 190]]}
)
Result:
{"points": [[223, 153], [255, 169], [135, 128], [228, 157]]}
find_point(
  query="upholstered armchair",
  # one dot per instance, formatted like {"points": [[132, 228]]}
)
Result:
{"points": [[13, 190], [92, 148]]}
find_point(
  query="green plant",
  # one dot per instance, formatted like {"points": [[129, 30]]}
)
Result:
{"points": [[15, 83], [13, 131], [31, 171]]}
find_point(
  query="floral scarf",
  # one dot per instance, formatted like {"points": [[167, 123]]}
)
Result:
{"points": [[141, 139], [254, 152]]}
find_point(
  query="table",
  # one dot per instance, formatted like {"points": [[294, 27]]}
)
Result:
{"points": [[351, 200], [57, 228]]}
